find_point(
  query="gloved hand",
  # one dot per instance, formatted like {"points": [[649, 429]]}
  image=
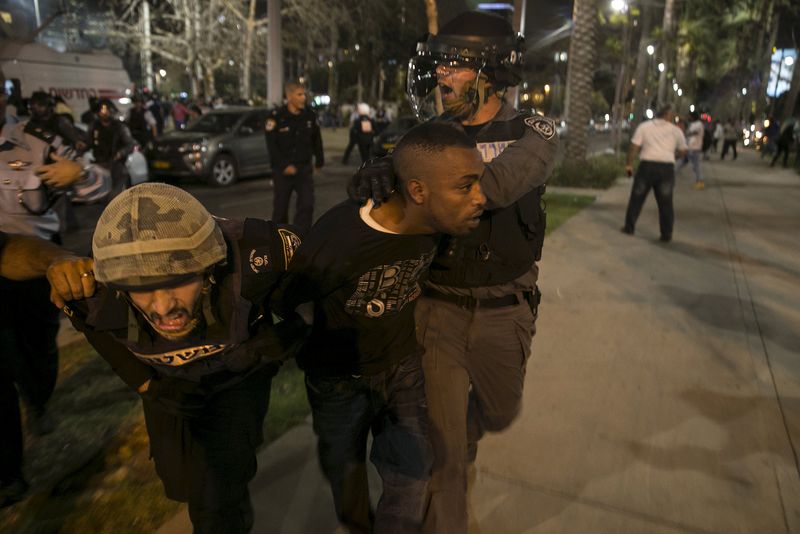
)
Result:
{"points": [[375, 179]]}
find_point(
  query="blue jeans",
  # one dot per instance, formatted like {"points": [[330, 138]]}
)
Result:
{"points": [[392, 405], [694, 160]]}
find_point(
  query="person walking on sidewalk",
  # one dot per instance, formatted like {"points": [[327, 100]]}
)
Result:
{"points": [[293, 139], [694, 138], [658, 141], [362, 268], [730, 137], [180, 315], [784, 143]]}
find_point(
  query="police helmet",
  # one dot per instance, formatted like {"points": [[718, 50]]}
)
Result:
{"points": [[155, 235], [481, 41]]}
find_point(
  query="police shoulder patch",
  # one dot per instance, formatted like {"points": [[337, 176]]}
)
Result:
{"points": [[542, 125], [270, 125], [290, 244]]}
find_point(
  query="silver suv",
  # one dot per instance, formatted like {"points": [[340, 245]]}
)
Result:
{"points": [[221, 147]]}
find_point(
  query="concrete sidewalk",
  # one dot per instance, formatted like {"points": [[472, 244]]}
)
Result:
{"points": [[663, 394]]}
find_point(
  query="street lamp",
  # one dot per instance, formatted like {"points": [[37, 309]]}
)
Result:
{"points": [[651, 50], [661, 67], [691, 108], [162, 72], [744, 91], [680, 91]]}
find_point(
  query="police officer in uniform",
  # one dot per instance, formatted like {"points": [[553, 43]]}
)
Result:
{"points": [[476, 318], [36, 172], [180, 316], [293, 138]]}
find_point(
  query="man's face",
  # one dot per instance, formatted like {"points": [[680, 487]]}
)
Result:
{"points": [[297, 97], [454, 84], [455, 201], [40, 110], [171, 311]]}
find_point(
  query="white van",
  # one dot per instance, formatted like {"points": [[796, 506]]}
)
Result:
{"points": [[30, 67]]}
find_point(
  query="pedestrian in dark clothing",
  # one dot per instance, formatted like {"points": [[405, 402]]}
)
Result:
{"points": [[730, 137], [784, 143], [141, 123], [294, 140], [44, 119], [180, 315], [362, 267], [111, 144], [658, 142], [352, 140]]}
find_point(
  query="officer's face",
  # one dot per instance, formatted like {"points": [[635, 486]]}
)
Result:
{"points": [[170, 311], [455, 201], [297, 98]]}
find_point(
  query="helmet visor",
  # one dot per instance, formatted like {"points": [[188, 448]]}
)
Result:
{"points": [[421, 86]]}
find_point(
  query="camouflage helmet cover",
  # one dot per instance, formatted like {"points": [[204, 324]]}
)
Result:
{"points": [[152, 235]]}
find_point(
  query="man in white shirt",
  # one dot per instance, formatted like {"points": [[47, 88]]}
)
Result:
{"points": [[659, 141], [694, 138]]}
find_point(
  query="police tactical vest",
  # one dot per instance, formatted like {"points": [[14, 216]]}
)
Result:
{"points": [[258, 251], [507, 241]]}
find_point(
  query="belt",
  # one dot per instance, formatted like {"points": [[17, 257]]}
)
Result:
{"points": [[471, 303]]}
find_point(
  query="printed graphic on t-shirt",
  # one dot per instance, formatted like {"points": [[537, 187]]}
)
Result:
{"points": [[387, 289]]}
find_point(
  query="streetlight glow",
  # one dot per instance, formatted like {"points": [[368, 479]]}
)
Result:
{"points": [[649, 113], [661, 67], [547, 88], [163, 73], [651, 50], [675, 86], [744, 91], [691, 108], [789, 60], [680, 92], [620, 6]]}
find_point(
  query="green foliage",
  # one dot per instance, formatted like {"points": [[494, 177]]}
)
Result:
{"points": [[598, 172], [561, 207]]}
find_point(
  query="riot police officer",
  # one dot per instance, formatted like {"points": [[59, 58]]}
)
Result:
{"points": [[477, 315], [293, 139], [180, 316]]}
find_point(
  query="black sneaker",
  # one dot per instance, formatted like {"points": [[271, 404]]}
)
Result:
{"points": [[626, 230], [12, 491], [665, 238]]}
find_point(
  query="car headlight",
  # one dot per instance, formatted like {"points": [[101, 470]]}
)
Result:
{"points": [[192, 147]]}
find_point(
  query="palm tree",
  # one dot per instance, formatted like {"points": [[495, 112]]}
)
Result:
{"points": [[580, 70]]}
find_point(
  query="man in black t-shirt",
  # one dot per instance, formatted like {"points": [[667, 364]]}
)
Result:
{"points": [[361, 267]]}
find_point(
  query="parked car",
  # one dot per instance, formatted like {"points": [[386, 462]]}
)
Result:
{"points": [[385, 141], [220, 147]]}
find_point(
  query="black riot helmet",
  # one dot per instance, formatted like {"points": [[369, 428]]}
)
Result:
{"points": [[483, 42]]}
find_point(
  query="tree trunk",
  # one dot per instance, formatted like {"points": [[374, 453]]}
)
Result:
{"points": [[247, 54], [580, 69], [668, 29], [432, 14], [642, 75]]}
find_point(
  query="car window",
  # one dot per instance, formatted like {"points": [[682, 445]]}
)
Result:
{"points": [[215, 123], [255, 121]]}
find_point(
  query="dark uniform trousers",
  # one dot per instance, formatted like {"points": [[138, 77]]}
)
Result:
{"points": [[204, 449], [392, 405], [302, 184], [28, 361], [487, 349], [660, 177]]}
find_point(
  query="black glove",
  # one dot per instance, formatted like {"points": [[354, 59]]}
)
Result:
{"points": [[375, 179]]}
